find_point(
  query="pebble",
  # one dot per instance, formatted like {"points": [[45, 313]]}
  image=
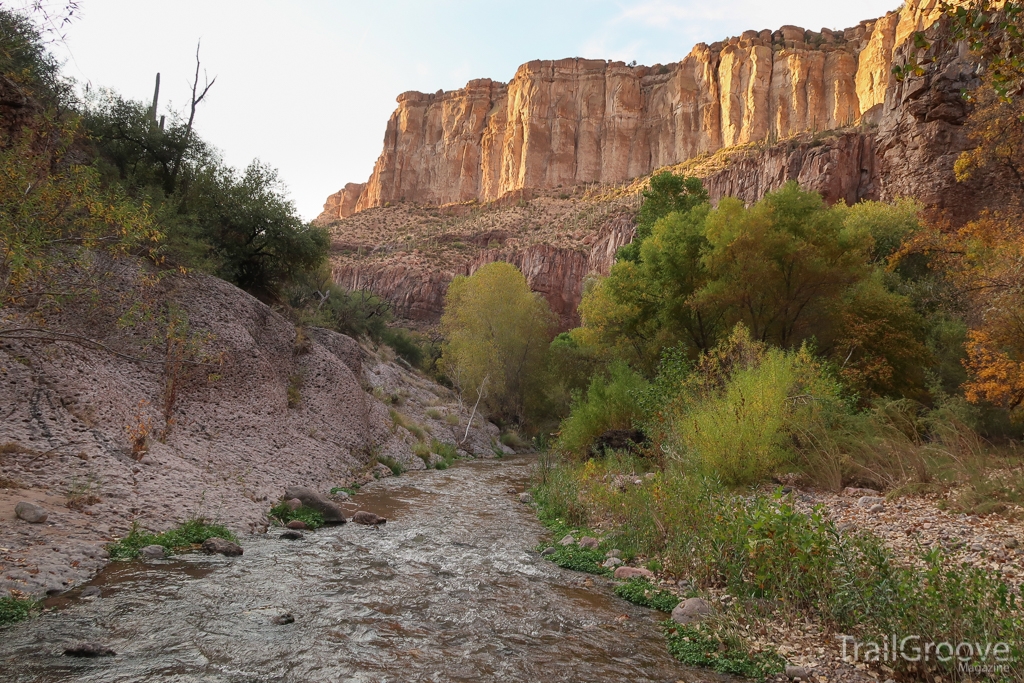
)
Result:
{"points": [[525, 498], [876, 508], [297, 524], [92, 592], [868, 501], [611, 562], [292, 535], [293, 504], [589, 542], [568, 540], [283, 619], [614, 552], [30, 512], [547, 552]]}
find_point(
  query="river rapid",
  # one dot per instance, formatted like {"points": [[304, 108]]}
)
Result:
{"points": [[450, 589]]}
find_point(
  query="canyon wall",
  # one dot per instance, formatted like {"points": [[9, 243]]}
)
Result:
{"points": [[568, 122]]}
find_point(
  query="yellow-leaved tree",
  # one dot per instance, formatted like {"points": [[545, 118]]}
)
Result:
{"points": [[496, 334]]}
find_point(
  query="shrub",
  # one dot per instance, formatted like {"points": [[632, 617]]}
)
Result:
{"points": [[610, 403], [514, 441], [284, 514], [396, 467]]}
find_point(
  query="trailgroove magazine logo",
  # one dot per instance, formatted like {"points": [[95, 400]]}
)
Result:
{"points": [[975, 658]]}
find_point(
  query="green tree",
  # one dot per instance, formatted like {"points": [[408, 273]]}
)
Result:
{"points": [[667, 193], [496, 334]]}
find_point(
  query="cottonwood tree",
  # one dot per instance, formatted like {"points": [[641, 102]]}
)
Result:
{"points": [[496, 336]]}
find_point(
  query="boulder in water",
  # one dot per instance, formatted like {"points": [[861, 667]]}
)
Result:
{"points": [[368, 518], [332, 513]]}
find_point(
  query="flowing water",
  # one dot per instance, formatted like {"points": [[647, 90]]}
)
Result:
{"points": [[450, 589]]}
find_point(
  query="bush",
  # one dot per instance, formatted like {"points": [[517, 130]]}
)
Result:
{"points": [[396, 467], [610, 403], [188, 535], [284, 514]]}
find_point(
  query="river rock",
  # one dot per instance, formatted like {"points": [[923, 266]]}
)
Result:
{"points": [[221, 546], [311, 499], [297, 524], [547, 552], [868, 501], [614, 552], [368, 518], [525, 498], [282, 619], [611, 562], [30, 512], [633, 572], [293, 504], [589, 542], [568, 540], [153, 552], [1011, 543], [292, 535], [92, 592], [89, 650], [852, 492], [801, 672], [690, 610]]}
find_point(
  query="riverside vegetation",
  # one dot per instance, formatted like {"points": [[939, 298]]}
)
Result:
{"points": [[735, 348]]}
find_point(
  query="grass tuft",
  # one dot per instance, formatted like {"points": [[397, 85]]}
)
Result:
{"points": [[284, 514], [641, 591], [15, 609]]}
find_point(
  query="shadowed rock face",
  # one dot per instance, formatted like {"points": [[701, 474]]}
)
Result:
{"points": [[567, 122]]}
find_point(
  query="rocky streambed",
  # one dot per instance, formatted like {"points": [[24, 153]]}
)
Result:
{"points": [[450, 589]]}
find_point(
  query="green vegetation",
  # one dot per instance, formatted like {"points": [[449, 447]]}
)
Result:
{"points": [[310, 517], [16, 609], [496, 336], [703, 645], [610, 403], [186, 536], [579, 559], [350, 490], [641, 591], [396, 467], [766, 553]]}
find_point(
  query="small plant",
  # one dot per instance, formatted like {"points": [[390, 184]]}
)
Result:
{"points": [[350, 490], [579, 559], [705, 646], [8, 483], [396, 467], [139, 429], [190, 533], [422, 451], [452, 419], [640, 591], [514, 441], [284, 514], [294, 391], [15, 609], [434, 414], [81, 495]]}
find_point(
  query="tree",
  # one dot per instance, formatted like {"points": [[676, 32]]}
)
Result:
{"points": [[667, 193], [496, 336]]}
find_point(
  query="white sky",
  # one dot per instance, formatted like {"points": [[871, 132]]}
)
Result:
{"points": [[308, 85]]}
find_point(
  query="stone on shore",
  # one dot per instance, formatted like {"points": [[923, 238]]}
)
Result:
{"points": [[633, 572], [30, 512], [690, 610], [221, 546], [589, 542], [297, 524], [332, 513], [153, 552]]}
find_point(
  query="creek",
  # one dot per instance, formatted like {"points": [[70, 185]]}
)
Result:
{"points": [[450, 589]]}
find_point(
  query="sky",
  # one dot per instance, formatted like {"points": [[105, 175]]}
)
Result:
{"points": [[307, 86]]}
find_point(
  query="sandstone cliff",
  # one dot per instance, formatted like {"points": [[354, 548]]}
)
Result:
{"points": [[573, 121]]}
